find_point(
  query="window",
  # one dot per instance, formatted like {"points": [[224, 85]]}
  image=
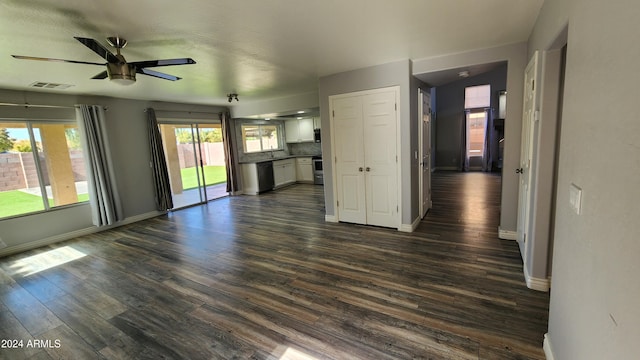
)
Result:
{"points": [[258, 137], [42, 167], [476, 124], [477, 97]]}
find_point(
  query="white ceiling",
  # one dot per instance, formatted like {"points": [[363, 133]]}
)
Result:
{"points": [[259, 49]]}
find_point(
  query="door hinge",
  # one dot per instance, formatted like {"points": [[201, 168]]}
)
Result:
{"points": [[333, 113], [397, 208], [396, 106], [533, 85], [337, 203], [335, 159], [396, 158]]}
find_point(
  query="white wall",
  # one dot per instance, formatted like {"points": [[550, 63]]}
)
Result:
{"points": [[594, 312], [127, 132], [242, 109]]}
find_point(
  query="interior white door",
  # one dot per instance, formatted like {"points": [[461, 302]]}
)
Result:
{"points": [[349, 154], [526, 152], [380, 155], [424, 138]]}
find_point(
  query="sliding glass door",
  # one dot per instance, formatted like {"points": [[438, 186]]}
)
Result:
{"points": [[195, 159]]}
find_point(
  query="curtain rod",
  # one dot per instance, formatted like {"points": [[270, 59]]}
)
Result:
{"points": [[188, 112], [27, 105]]}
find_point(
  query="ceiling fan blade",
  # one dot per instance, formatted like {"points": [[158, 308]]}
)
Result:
{"points": [[56, 60], [157, 74], [166, 62], [98, 49], [102, 75]]}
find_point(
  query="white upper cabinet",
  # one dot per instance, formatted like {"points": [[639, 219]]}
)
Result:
{"points": [[299, 130]]}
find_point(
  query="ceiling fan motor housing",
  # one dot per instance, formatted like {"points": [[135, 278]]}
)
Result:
{"points": [[121, 71]]}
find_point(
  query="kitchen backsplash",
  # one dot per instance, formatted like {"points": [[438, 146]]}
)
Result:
{"points": [[309, 148]]}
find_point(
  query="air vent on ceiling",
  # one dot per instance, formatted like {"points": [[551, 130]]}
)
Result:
{"points": [[46, 85]]}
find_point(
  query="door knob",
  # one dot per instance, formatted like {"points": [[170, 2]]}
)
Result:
{"points": [[368, 168], [360, 169], [519, 171]]}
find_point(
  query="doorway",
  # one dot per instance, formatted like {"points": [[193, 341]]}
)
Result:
{"points": [[195, 158], [424, 145]]}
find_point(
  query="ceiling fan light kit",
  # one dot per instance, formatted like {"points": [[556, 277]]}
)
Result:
{"points": [[122, 74], [118, 70]]}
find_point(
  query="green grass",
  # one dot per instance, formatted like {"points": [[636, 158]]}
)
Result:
{"points": [[17, 203], [212, 174]]}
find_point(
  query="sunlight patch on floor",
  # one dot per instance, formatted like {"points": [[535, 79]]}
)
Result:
{"points": [[46, 260], [293, 354]]}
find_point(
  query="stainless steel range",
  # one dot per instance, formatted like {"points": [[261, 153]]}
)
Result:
{"points": [[318, 177]]}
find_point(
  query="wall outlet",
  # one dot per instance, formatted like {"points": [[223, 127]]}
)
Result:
{"points": [[2, 244], [575, 198]]}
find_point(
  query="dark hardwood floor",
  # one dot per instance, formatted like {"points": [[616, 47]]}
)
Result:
{"points": [[265, 277]]}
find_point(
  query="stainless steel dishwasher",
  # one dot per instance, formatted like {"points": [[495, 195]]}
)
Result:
{"points": [[265, 176]]}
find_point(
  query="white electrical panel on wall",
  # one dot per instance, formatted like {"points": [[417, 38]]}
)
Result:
{"points": [[575, 197]]}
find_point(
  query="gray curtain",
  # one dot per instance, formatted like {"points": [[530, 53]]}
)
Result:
{"points": [[106, 208], [464, 156], [227, 139], [487, 155], [162, 187]]}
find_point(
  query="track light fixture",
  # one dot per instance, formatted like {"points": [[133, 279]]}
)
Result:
{"points": [[232, 97]]}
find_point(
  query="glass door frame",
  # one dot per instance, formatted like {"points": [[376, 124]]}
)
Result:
{"points": [[195, 127]]}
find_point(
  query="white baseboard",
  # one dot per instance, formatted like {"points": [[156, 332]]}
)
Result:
{"points": [[546, 346], [330, 218], [411, 227], [538, 284], [507, 234], [74, 234]]}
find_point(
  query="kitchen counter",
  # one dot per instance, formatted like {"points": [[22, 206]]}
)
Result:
{"points": [[262, 175], [278, 158]]}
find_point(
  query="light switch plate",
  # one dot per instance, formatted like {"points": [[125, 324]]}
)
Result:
{"points": [[575, 197]]}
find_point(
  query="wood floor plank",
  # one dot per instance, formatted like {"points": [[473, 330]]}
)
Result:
{"points": [[262, 277]]}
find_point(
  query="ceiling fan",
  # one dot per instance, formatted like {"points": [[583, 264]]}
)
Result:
{"points": [[118, 69]]}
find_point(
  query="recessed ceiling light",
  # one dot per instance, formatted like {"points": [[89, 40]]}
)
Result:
{"points": [[301, 112], [464, 73], [267, 118], [299, 117]]}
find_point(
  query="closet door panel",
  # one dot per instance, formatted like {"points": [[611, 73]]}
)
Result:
{"points": [[349, 146], [379, 112]]}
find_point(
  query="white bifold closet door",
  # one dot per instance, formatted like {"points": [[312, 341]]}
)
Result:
{"points": [[365, 145]]}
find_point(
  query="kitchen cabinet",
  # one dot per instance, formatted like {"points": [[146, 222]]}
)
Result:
{"points": [[257, 177], [298, 130], [284, 172], [250, 179], [304, 170]]}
